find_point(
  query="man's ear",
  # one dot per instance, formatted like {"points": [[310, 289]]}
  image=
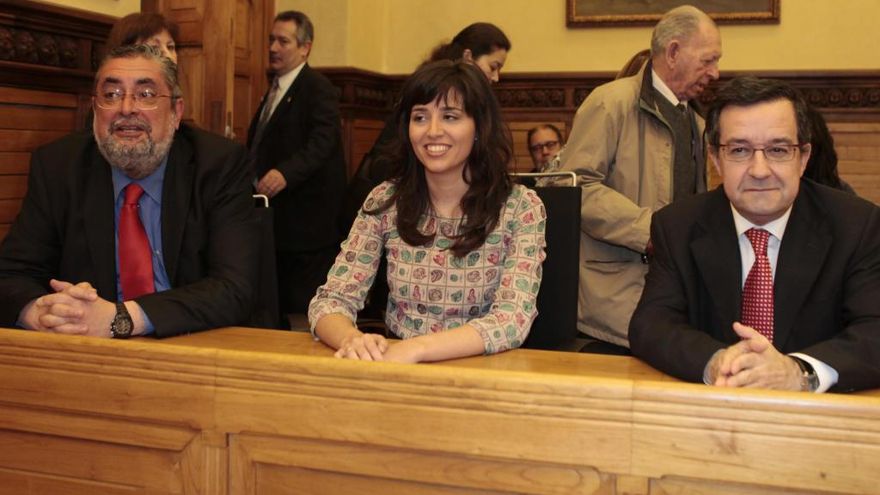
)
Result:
{"points": [[673, 49], [806, 151]]}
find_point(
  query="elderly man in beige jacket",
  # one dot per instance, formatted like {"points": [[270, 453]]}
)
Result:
{"points": [[636, 145]]}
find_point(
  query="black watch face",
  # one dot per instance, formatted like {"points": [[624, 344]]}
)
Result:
{"points": [[121, 326]]}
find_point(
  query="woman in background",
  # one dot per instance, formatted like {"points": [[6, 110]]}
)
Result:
{"points": [[464, 245], [145, 28], [822, 165]]}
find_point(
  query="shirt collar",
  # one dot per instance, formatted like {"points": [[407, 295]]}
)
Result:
{"points": [[286, 80], [776, 227], [664, 90], [152, 184]]}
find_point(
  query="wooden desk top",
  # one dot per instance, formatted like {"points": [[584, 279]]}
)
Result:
{"points": [[256, 411], [524, 360]]}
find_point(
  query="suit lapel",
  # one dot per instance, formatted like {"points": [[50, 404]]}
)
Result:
{"points": [[100, 229], [176, 198], [805, 245], [287, 99], [716, 253]]}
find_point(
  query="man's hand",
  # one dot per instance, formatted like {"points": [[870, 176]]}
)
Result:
{"points": [[272, 183], [72, 309], [754, 362]]}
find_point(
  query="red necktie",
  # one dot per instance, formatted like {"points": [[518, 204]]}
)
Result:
{"points": [[135, 256], [757, 298]]}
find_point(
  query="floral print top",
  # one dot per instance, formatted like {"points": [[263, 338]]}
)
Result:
{"points": [[492, 288]]}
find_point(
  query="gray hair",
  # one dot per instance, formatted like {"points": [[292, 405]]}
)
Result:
{"points": [[679, 23], [305, 31], [169, 68]]}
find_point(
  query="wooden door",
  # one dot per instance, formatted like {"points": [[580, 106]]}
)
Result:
{"points": [[221, 53]]}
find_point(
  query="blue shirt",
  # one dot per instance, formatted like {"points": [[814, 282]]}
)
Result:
{"points": [[150, 210]]}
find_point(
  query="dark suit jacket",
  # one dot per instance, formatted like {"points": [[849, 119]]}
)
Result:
{"points": [[826, 287], [65, 230], [303, 140]]}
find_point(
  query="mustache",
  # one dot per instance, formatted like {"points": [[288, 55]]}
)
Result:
{"points": [[135, 122]]}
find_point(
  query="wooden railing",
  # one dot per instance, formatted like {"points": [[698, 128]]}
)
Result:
{"points": [[246, 411]]}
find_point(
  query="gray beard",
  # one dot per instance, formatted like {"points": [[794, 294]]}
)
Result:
{"points": [[136, 160]]}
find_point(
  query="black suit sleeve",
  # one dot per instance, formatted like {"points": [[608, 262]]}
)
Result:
{"points": [[222, 291], [855, 352], [323, 127], [660, 331]]}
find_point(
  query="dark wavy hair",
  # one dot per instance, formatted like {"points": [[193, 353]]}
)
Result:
{"points": [[486, 169], [822, 165], [139, 26], [480, 38], [748, 90]]}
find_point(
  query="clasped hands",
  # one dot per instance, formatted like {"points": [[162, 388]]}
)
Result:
{"points": [[375, 347], [753, 362], [73, 309]]}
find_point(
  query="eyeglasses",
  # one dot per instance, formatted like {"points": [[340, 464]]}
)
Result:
{"points": [[144, 99], [538, 147], [773, 153]]}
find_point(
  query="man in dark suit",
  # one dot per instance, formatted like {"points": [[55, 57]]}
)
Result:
{"points": [[770, 281], [296, 150], [140, 226]]}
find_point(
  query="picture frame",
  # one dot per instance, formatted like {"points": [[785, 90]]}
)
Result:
{"points": [[609, 13]]}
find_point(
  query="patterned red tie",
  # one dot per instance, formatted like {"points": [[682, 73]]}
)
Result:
{"points": [[757, 298], [135, 257]]}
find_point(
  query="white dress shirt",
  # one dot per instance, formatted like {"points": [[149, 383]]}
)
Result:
{"points": [[827, 375]]}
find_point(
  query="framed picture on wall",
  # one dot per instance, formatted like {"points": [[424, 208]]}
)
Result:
{"points": [[591, 13]]}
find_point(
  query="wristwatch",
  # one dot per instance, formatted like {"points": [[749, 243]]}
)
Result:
{"points": [[121, 326], [809, 378]]}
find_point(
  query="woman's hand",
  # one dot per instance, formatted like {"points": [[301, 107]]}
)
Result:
{"points": [[363, 346], [405, 351]]}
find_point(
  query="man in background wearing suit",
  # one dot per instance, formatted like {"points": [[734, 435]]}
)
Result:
{"points": [[140, 226], [295, 147], [636, 146], [770, 281]]}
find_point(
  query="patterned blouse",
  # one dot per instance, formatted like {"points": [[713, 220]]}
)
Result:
{"points": [[492, 288]]}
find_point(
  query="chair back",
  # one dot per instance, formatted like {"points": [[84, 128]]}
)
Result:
{"points": [[266, 313], [555, 327]]}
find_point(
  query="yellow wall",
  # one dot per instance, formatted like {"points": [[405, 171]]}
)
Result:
{"points": [[393, 36], [117, 8]]}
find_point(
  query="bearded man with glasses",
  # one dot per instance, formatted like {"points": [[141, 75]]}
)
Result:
{"points": [[142, 226], [772, 280]]}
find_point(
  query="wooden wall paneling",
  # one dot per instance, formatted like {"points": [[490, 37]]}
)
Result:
{"points": [[858, 149], [252, 20], [147, 435], [271, 464], [28, 119], [247, 412], [767, 442]]}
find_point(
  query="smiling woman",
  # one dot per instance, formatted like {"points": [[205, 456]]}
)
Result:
{"points": [[464, 246]]}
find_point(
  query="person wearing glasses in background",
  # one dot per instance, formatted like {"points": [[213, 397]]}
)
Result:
{"points": [[772, 280], [142, 226], [545, 141]]}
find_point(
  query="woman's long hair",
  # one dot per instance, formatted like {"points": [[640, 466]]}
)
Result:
{"points": [[486, 168], [480, 38]]}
